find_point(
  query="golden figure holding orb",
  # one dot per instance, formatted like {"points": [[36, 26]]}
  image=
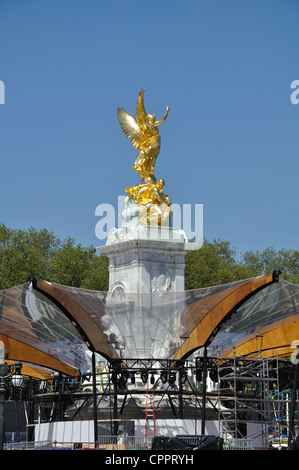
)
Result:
{"points": [[144, 135]]}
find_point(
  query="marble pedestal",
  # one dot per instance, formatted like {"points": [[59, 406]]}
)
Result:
{"points": [[147, 266], [145, 259], [146, 295], [146, 286]]}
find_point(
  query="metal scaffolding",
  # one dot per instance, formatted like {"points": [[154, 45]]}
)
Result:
{"points": [[249, 397], [253, 391]]}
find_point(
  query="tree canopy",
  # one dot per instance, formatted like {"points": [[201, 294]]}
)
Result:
{"points": [[217, 262], [25, 253]]}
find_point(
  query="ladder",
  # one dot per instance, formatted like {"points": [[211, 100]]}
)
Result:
{"points": [[101, 370], [150, 410]]}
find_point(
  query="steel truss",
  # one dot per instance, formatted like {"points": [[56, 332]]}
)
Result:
{"points": [[234, 391], [253, 390]]}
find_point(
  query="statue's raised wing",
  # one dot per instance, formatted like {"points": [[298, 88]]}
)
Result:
{"points": [[129, 126], [141, 114]]}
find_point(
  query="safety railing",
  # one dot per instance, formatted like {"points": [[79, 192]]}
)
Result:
{"points": [[238, 444], [116, 443], [104, 443]]}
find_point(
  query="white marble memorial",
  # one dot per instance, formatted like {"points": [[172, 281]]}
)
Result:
{"points": [[145, 259]]}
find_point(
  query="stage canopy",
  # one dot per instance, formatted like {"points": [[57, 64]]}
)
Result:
{"points": [[51, 327]]}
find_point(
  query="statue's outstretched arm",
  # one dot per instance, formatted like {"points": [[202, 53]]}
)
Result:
{"points": [[157, 123]]}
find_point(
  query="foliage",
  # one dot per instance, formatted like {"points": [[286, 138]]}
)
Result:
{"points": [[31, 252], [214, 264], [269, 259], [76, 266], [217, 263]]}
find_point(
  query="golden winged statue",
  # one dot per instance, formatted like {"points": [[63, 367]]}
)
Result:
{"points": [[144, 135]]}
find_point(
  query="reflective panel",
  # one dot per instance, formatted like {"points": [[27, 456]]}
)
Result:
{"points": [[138, 326], [148, 325], [33, 320], [279, 301]]}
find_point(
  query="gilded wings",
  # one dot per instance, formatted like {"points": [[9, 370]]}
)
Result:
{"points": [[144, 135]]}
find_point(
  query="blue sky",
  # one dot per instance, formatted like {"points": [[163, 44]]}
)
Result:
{"points": [[230, 141]]}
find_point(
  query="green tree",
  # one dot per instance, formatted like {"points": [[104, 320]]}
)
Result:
{"points": [[23, 253], [97, 277], [213, 264], [269, 259], [30, 252], [77, 266]]}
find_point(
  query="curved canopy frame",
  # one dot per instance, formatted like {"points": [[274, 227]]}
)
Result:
{"points": [[79, 313], [213, 314], [206, 310], [53, 326], [265, 326], [278, 339], [190, 319], [37, 333], [35, 363]]}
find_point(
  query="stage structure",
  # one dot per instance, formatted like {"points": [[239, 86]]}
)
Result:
{"points": [[148, 358]]}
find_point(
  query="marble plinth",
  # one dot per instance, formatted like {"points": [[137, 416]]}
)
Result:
{"points": [[147, 266], [145, 259]]}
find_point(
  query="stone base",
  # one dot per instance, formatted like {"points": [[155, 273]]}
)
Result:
{"points": [[147, 266], [146, 294], [133, 229], [145, 259]]}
